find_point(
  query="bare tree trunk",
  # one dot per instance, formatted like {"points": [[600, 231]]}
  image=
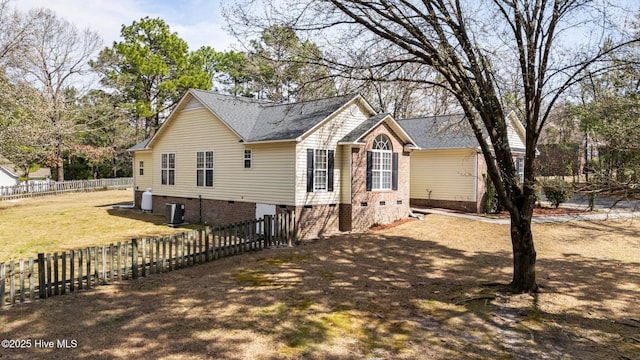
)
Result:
{"points": [[59, 161], [524, 252]]}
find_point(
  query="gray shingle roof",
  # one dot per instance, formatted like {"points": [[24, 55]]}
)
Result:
{"points": [[8, 167], [255, 120], [139, 146], [441, 132], [362, 129]]}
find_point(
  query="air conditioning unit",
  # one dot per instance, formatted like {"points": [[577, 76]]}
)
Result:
{"points": [[175, 214]]}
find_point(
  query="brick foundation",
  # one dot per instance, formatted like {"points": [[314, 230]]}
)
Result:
{"points": [[345, 214], [466, 206], [207, 211]]}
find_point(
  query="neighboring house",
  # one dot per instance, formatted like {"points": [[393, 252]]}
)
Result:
{"points": [[42, 174], [8, 173], [334, 162], [448, 168]]}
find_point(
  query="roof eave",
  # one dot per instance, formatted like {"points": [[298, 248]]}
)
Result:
{"points": [[337, 111], [179, 107]]}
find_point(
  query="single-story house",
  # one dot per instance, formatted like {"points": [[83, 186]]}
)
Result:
{"points": [[448, 167], [8, 173], [335, 162]]}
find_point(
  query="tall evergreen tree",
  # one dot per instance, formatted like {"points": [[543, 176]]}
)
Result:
{"points": [[151, 68]]}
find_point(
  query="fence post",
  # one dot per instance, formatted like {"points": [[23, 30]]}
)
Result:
{"points": [[42, 291], [32, 289], [207, 256], [268, 229], [144, 257], [63, 257], [21, 269], [12, 284], [2, 281], [134, 258], [71, 270], [56, 285]]}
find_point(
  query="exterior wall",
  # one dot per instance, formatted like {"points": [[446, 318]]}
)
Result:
{"points": [[142, 182], [313, 221], [6, 179], [327, 137], [445, 175], [378, 206], [465, 206], [269, 181], [482, 188], [208, 211]]}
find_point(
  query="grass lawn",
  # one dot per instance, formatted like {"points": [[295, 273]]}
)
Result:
{"points": [[421, 290], [72, 221]]}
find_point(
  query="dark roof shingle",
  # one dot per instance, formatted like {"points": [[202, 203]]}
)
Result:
{"points": [[441, 132], [255, 120]]}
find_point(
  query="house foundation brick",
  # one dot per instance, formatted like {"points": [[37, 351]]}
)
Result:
{"points": [[466, 206], [208, 211]]}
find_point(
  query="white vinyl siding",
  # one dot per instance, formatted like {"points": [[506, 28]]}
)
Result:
{"points": [[327, 137], [443, 175], [143, 179], [343, 162], [190, 131]]}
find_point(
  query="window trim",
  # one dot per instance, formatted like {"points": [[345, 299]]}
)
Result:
{"points": [[249, 159], [167, 180], [311, 170], [520, 168], [205, 169], [381, 155], [317, 170], [141, 167]]}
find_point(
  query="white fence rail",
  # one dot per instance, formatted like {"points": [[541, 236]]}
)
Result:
{"points": [[52, 187]]}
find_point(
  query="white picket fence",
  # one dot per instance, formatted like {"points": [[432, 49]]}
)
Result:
{"points": [[53, 187]]}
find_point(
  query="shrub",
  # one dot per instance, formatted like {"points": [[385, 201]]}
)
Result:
{"points": [[490, 202], [557, 191]]}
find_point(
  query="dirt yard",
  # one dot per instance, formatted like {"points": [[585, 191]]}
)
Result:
{"points": [[422, 290]]}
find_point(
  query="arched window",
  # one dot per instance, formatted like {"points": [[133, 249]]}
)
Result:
{"points": [[381, 166]]}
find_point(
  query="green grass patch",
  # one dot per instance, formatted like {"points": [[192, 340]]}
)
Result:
{"points": [[285, 259], [73, 221], [253, 278]]}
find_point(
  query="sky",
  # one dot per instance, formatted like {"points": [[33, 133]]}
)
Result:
{"points": [[198, 22]]}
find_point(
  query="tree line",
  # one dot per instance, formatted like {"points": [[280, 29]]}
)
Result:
{"points": [[54, 113]]}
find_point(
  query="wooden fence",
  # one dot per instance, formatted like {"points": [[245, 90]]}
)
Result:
{"points": [[58, 273], [52, 188]]}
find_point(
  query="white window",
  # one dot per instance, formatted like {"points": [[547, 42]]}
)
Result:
{"points": [[204, 168], [381, 169], [248, 158], [520, 168], [320, 170], [141, 168], [168, 169]]}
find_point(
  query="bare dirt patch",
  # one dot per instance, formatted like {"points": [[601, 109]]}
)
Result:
{"points": [[420, 290]]}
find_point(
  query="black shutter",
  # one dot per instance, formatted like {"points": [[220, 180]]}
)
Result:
{"points": [[309, 170], [330, 170], [369, 169], [394, 172]]}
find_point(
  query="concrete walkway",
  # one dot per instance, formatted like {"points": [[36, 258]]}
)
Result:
{"points": [[605, 209]]}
